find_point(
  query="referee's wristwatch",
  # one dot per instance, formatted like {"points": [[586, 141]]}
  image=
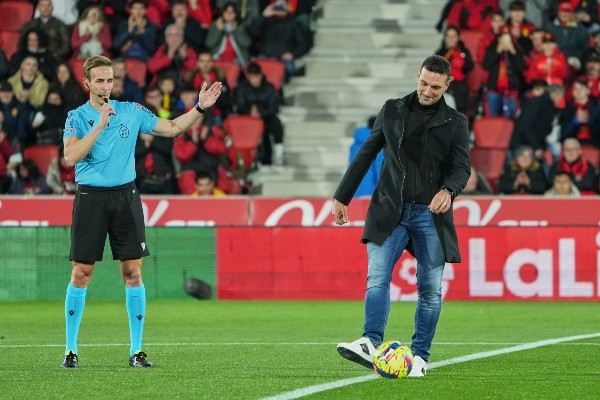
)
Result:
{"points": [[200, 109]]}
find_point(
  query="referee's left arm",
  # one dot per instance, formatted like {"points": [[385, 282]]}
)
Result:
{"points": [[175, 127]]}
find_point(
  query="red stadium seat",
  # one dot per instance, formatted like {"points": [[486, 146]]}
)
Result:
{"points": [[273, 70], [490, 162], [231, 70], [136, 69], [246, 133], [14, 14], [77, 66], [42, 154], [591, 153], [471, 39], [493, 132], [187, 182], [10, 41]]}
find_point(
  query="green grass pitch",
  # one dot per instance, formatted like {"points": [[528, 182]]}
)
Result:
{"points": [[252, 350]]}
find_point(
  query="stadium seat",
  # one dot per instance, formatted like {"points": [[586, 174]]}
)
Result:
{"points": [[493, 132], [10, 41], [77, 66], [136, 69], [273, 70], [591, 153], [471, 39], [187, 182], [231, 70], [42, 154], [246, 133], [14, 14], [490, 162]]}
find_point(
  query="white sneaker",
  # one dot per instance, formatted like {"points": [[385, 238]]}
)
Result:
{"points": [[419, 368], [360, 351]]}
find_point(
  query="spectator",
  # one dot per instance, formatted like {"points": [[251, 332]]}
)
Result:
{"points": [[168, 89], [535, 11], [115, 10], [205, 186], [91, 34], [174, 56], [595, 49], [132, 91], [247, 10], [562, 186], [581, 170], [496, 24], [70, 90], [280, 36], [5, 153], [33, 43], [29, 180], [537, 45], [592, 75], [550, 66], [227, 38], [580, 119], [136, 37], [455, 51], [61, 177], [193, 33], [524, 175], [28, 83], [257, 97], [201, 11], [15, 118], [361, 134], [56, 31], [471, 14], [585, 11], [520, 28], [158, 11], [504, 60], [477, 184], [66, 11], [534, 122], [48, 123], [205, 71], [201, 149], [571, 36]]}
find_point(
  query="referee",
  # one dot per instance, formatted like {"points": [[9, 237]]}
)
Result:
{"points": [[99, 140]]}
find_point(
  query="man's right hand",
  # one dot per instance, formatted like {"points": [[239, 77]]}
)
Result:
{"points": [[339, 212]]}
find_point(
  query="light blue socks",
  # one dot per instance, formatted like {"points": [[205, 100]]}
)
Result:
{"points": [[135, 301], [74, 305]]}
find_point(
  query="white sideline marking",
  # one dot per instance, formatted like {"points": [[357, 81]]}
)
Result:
{"points": [[302, 392]]}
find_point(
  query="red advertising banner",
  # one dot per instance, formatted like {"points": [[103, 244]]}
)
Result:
{"points": [[158, 211], [307, 212], [499, 263], [468, 211]]}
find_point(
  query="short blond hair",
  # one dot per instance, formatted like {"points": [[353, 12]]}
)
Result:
{"points": [[94, 62]]}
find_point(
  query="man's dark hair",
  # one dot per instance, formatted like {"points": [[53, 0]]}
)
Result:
{"points": [[253, 68], [437, 65], [517, 5]]}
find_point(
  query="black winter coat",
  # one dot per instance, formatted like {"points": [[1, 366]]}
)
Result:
{"points": [[447, 151]]}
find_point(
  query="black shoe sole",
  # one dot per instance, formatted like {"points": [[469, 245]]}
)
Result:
{"points": [[351, 356]]}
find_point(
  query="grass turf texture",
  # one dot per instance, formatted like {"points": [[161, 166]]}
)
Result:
{"points": [[246, 350]]}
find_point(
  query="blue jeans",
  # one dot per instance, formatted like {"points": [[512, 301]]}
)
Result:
{"points": [[417, 225], [500, 105]]}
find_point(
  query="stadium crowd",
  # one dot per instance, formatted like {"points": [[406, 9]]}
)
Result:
{"points": [[527, 75], [163, 51]]}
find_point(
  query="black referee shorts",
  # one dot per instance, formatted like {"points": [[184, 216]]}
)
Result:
{"points": [[113, 210]]}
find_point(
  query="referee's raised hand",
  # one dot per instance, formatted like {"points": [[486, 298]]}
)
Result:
{"points": [[208, 97]]}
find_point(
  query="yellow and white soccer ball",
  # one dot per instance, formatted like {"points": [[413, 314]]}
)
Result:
{"points": [[393, 360]]}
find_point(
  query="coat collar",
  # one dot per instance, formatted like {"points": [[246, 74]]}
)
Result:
{"points": [[442, 116]]}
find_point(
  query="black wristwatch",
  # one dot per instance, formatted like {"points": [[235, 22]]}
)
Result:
{"points": [[199, 109]]}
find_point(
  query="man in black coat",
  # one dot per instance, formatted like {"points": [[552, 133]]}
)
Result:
{"points": [[426, 164]]}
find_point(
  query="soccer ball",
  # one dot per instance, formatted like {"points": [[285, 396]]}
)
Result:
{"points": [[393, 360]]}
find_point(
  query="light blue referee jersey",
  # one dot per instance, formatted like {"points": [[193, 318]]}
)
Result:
{"points": [[110, 161]]}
